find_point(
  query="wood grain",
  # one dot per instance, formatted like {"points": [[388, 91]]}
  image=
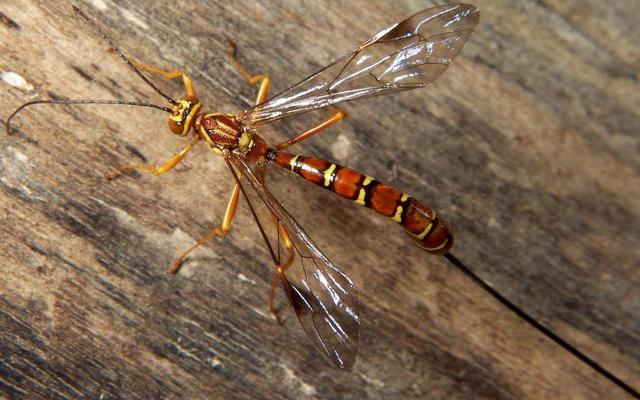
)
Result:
{"points": [[528, 145]]}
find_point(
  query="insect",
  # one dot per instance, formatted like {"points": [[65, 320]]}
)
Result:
{"points": [[406, 55]]}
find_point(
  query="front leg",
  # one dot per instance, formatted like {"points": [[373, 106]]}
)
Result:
{"points": [[151, 168], [169, 75]]}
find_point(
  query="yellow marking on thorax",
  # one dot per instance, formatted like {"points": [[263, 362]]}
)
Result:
{"points": [[245, 140], [362, 194], [327, 174], [206, 138], [251, 144], [293, 162], [225, 130]]}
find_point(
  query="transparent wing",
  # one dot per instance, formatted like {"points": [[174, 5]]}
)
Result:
{"points": [[324, 299], [406, 55]]}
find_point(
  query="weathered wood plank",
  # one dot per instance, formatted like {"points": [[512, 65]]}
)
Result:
{"points": [[528, 145]]}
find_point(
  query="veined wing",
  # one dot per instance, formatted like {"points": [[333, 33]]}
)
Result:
{"points": [[406, 55], [324, 299]]}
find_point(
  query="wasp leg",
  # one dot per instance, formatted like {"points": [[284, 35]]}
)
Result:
{"points": [[337, 115], [264, 79], [220, 231], [188, 86], [279, 272], [151, 168]]}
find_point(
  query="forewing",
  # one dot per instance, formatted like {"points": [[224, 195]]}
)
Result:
{"points": [[406, 55], [324, 299]]}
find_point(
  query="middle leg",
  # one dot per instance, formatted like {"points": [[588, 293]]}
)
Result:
{"points": [[263, 92], [151, 168], [336, 116]]}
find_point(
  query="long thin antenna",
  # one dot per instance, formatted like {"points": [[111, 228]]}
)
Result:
{"points": [[541, 328], [124, 58], [112, 102]]}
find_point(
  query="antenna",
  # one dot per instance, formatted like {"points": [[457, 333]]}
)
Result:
{"points": [[113, 102], [122, 56]]}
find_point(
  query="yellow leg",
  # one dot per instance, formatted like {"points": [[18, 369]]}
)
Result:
{"points": [[151, 168], [279, 273], [264, 79], [335, 117], [221, 231], [188, 86]]}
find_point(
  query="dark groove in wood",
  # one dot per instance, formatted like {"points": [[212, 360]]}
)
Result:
{"points": [[540, 327]]}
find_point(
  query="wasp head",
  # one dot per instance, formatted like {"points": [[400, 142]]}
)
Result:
{"points": [[183, 116]]}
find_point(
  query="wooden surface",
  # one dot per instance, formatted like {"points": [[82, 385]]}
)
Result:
{"points": [[528, 145]]}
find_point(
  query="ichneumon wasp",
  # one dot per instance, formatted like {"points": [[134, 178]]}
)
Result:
{"points": [[406, 55]]}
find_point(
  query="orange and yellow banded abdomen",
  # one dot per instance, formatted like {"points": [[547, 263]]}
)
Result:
{"points": [[425, 228]]}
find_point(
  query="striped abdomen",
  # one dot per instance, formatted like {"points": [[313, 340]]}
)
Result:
{"points": [[429, 232]]}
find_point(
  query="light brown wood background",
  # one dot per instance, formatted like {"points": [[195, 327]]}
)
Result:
{"points": [[528, 145]]}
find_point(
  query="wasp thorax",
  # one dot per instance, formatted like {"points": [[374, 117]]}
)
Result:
{"points": [[222, 131], [184, 114]]}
